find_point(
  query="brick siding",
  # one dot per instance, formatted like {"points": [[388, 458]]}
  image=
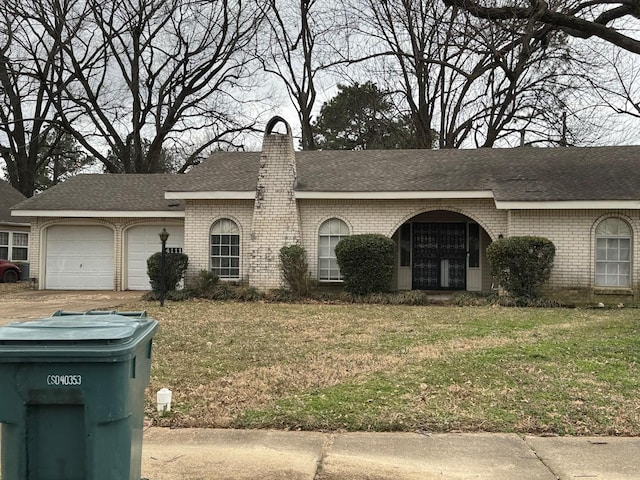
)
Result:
{"points": [[275, 218]]}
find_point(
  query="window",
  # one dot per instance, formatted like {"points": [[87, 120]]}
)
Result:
{"points": [[474, 245], [4, 245], [19, 247], [613, 253], [225, 249], [405, 245], [330, 233], [14, 246]]}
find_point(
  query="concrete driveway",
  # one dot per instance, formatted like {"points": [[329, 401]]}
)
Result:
{"points": [[19, 302]]}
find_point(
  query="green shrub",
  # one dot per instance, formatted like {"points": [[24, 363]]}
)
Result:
{"points": [[175, 265], [295, 269], [207, 280], [521, 265], [222, 291], [366, 263]]}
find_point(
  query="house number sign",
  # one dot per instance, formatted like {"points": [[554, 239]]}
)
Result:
{"points": [[64, 380]]}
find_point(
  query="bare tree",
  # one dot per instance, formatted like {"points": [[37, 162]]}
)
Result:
{"points": [[617, 85], [612, 90], [464, 81], [582, 19], [130, 71], [299, 45], [28, 133]]}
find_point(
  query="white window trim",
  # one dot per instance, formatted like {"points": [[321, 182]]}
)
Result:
{"points": [[217, 270], [629, 262], [338, 277]]}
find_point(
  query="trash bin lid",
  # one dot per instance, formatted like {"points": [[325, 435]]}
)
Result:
{"points": [[76, 329], [100, 334]]}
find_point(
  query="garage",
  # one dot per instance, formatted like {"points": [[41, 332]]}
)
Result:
{"points": [[142, 242], [79, 257]]}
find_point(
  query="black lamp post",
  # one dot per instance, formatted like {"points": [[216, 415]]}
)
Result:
{"points": [[164, 236]]}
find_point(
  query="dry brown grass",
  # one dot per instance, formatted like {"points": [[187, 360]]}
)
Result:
{"points": [[383, 367]]}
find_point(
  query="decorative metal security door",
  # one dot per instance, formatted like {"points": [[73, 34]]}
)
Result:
{"points": [[439, 256]]}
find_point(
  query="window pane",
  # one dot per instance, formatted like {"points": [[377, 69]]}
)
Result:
{"points": [[613, 227], [18, 254], [20, 240], [4, 238], [225, 226], [612, 268], [623, 254], [474, 245], [4, 253]]}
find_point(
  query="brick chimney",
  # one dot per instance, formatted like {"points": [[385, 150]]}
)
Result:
{"points": [[275, 221]]}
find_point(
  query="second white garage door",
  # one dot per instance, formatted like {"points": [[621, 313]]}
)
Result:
{"points": [[142, 242], [79, 258]]}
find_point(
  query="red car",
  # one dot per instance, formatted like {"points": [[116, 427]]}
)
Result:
{"points": [[9, 271]]}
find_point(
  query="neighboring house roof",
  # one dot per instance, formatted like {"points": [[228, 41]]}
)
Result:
{"points": [[9, 196], [106, 195], [563, 177]]}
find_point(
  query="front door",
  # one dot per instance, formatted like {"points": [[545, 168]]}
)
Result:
{"points": [[439, 256]]}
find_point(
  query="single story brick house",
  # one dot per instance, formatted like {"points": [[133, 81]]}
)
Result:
{"points": [[14, 231], [232, 214]]}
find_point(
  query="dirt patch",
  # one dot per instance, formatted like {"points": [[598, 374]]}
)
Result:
{"points": [[19, 302]]}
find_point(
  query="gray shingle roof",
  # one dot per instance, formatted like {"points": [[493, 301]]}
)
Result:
{"points": [[108, 192], [9, 196], [518, 174]]}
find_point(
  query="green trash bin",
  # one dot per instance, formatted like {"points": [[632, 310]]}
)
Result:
{"points": [[72, 403]]}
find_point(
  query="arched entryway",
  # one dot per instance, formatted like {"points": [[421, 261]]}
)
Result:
{"points": [[442, 250]]}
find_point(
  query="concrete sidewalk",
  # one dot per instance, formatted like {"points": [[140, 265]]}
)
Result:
{"points": [[211, 454]]}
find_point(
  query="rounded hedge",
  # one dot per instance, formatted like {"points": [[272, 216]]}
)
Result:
{"points": [[521, 265], [366, 263], [174, 268]]}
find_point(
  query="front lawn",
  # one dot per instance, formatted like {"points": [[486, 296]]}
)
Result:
{"points": [[371, 367]]}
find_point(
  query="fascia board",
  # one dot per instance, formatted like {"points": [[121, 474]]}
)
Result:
{"points": [[569, 205], [400, 195], [218, 195], [96, 213]]}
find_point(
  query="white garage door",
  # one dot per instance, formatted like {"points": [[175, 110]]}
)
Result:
{"points": [[142, 242], [79, 258]]}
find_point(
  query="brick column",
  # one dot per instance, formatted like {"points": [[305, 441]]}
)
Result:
{"points": [[275, 213]]}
